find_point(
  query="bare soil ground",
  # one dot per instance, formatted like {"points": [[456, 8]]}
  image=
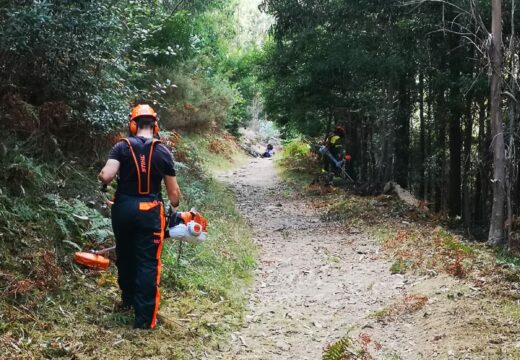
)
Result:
{"points": [[318, 281]]}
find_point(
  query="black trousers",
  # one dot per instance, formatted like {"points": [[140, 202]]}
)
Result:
{"points": [[138, 224]]}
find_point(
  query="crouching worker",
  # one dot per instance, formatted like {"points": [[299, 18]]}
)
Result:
{"points": [[140, 162], [269, 152]]}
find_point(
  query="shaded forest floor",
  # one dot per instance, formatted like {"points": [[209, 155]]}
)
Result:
{"points": [[345, 277]]}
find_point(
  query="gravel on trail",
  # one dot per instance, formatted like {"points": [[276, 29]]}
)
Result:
{"points": [[314, 280]]}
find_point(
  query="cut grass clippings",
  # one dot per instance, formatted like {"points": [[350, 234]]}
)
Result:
{"points": [[407, 305]]}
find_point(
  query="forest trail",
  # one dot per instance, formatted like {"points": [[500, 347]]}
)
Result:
{"points": [[314, 280]]}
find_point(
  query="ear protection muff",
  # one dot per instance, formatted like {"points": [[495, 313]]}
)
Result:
{"points": [[132, 127]]}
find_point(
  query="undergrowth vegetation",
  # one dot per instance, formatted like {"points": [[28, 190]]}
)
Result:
{"points": [[70, 70], [297, 164], [42, 208], [50, 307]]}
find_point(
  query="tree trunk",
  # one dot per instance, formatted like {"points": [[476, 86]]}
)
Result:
{"points": [[354, 144], [455, 145], [387, 155], [440, 158], [402, 136], [429, 144], [422, 160], [496, 228], [481, 186], [512, 120], [365, 153], [466, 184], [329, 126], [456, 109]]}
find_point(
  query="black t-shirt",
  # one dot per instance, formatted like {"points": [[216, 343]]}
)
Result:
{"points": [[162, 164]]}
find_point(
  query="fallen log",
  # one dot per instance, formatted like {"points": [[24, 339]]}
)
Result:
{"points": [[403, 195], [377, 188]]}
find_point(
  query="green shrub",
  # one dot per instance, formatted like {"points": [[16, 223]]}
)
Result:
{"points": [[399, 266], [505, 256], [197, 100], [296, 149], [451, 243], [298, 164], [61, 50]]}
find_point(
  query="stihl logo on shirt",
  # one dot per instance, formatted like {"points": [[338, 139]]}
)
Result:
{"points": [[143, 164]]}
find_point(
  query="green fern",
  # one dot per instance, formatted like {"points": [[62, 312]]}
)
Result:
{"points": [[340, 350], [69, 214]]}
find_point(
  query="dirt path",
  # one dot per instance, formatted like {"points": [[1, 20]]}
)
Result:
{"points": [[317, 281], [314, 280]]}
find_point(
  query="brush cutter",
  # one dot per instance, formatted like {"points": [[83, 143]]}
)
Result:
{"points": [[340, 164], [93, 259], [187, 226]]}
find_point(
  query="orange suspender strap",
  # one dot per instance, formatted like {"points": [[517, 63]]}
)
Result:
{"points": [[150, 164], [135, 162], [154, 141]]}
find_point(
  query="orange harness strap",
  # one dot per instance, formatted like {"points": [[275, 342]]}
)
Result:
{"points": [[147, 167]]}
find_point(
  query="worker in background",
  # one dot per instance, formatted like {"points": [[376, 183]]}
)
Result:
{"points": [[335, 144], [269, 152], [141, 163]]}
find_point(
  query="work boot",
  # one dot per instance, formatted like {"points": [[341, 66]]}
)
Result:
{"points": [[123, 307], [160, 321]]}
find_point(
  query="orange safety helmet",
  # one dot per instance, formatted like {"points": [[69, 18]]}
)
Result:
{"points": [[141, 110]]}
